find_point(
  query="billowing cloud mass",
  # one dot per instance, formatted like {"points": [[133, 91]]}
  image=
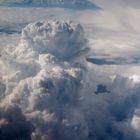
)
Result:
{"points": [[43, 82], [48, 91]]}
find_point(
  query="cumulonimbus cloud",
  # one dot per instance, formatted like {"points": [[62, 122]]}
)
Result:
{"points": [[45, 80], [47, 94]]}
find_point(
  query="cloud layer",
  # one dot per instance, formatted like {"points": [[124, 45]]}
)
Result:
{"points": [[43, 81], [49, 92]]}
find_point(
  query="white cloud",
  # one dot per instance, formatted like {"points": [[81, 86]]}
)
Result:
{"points": [[53, 91]]}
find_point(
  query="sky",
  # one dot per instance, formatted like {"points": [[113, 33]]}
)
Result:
{"points": [[70, 74]]}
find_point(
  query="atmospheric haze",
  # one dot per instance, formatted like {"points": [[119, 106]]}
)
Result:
{"points": [[69, 74]]}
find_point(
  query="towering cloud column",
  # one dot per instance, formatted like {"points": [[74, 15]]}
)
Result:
{"points": [[44, 83]]}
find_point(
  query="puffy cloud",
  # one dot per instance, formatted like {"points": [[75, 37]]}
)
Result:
{"points": [[49, 91], [47, 68], [13, 124]]}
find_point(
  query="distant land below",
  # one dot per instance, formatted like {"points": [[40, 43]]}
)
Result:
{"points": [[72, 4]]}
